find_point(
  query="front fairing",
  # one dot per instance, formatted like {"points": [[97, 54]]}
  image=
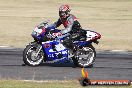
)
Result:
{"points": [[38, 36]]}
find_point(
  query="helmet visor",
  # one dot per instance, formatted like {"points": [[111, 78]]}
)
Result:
{"points": [[62, 14]]}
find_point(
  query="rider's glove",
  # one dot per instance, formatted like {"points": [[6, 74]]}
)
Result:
{"points": [[57, 34]]}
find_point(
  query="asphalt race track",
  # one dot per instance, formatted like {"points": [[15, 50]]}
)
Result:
{"points": [[108, 65]]}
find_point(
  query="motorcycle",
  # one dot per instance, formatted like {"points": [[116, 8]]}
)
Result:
{"points": [[48, 46]]}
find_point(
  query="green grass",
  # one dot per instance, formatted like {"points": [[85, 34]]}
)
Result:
{"points": [[49, 84]]}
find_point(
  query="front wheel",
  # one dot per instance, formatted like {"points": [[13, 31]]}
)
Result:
{"points": [[85, 56], [29, 55]]}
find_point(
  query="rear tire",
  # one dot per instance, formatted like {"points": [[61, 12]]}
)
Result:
{"points": [[29, 58], [85, 57]]}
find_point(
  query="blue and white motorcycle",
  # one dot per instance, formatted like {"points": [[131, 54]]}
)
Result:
{"points": [[48, 47]]}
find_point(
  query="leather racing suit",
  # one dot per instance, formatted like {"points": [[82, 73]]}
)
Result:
{"points": [[73, 27]]}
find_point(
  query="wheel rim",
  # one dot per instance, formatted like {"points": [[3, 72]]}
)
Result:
{"points": [[31, 58], [85, 56]]}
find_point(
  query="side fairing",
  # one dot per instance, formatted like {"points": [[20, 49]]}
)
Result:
{"points": [[54, 50]]}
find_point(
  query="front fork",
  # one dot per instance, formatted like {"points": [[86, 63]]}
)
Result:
{"points": [[38, 47]]}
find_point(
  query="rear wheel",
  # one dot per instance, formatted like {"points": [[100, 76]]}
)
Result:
{"points": [[85, 56], [29, 56]]}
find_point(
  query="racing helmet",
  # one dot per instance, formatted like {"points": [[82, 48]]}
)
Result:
{"points": [[64, 11]]}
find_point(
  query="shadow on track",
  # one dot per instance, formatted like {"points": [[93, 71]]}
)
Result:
{"points": [[58, 64], [42, 65]]}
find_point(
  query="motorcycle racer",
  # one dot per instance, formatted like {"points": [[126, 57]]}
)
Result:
{"points": [[71, 25]]}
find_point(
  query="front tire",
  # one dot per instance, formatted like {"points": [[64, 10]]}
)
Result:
{"points": [[29, 56], [85, 56]]}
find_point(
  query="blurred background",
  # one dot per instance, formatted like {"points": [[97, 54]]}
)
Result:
{"points": [[111, 18]]}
